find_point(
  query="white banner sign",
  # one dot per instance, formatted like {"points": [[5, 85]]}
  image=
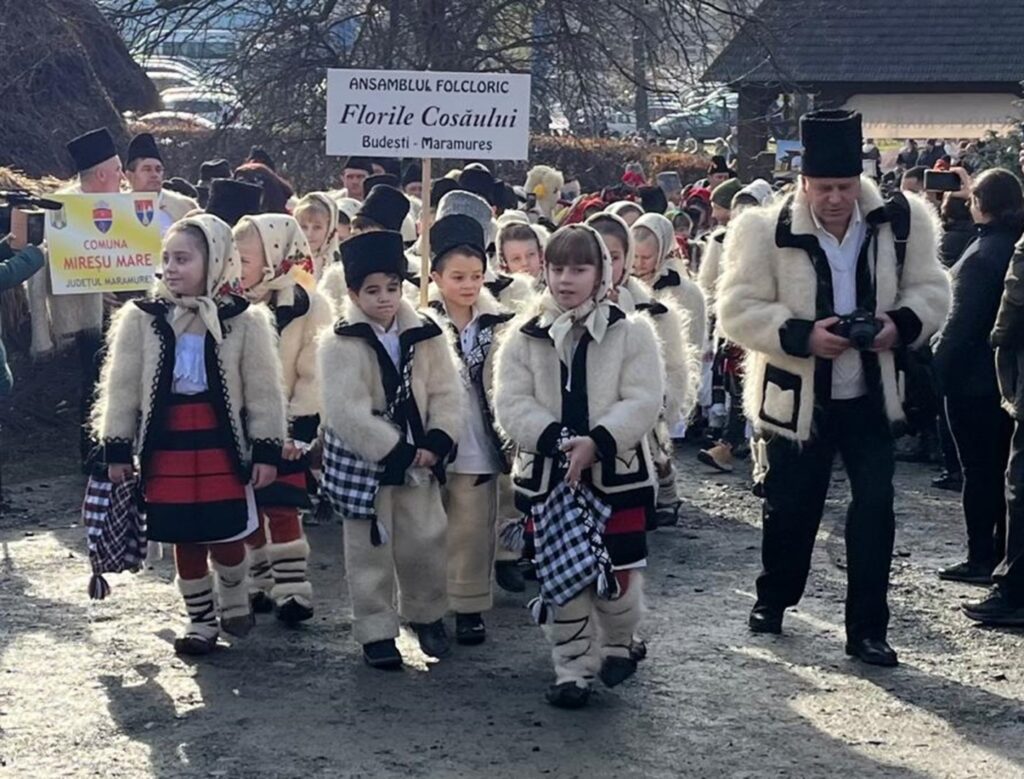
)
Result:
{"points": [[407, 113]]}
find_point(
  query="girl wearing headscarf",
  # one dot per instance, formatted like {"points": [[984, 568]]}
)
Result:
{"points": [[579, 385], [656, 263], [191, 392], [317, 215], [273, 251]]}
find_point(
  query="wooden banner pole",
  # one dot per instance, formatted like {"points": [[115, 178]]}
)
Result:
{"points": [[425, 222]]}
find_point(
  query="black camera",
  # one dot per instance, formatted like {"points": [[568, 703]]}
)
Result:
{"points": [[34, 206], [859, 328]]}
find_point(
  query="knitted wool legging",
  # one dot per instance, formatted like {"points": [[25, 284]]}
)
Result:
{"points": [[191, 561]]}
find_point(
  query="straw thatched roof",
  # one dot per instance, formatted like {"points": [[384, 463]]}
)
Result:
{"points": [[64, 70]]}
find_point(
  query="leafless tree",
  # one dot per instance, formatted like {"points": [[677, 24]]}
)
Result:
{"points": [[585, 57]]}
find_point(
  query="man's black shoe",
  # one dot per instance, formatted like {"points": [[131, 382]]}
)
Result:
{"points": [[996, 609], [568, 695], [508, 576], [433, 638], [968, 572], [469, 629], [615, 670], [261, 602], [765, 619], [383, 655], [954, 482], [873, 651]]}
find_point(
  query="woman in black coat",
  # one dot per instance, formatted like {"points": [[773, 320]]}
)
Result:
{"points": [[965, 368]]}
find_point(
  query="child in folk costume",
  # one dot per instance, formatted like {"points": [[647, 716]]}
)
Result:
{"points": [[317, 215], [385, 208], [272, 249], [191, 383], [682, 359], [656, 263], [393, 405], [579, 385], [471, 492], [519, 251]]}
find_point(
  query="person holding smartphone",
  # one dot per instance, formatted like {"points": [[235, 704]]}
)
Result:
{"points": [[20, 259]]}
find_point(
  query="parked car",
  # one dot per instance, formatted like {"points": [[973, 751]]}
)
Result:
{"points": [[218, 106], [173, 120], [714, 117], [198, 45]]}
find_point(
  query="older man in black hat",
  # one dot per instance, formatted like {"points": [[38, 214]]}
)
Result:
{"points": [[62, 317], [144, 170], [821, 290]]}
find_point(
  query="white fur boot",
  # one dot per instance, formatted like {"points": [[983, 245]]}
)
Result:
{"points": [[233, 595], [201, 634], [292, 592]]}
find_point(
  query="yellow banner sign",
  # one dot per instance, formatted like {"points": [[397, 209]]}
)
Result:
{"points": [[103, 243]]}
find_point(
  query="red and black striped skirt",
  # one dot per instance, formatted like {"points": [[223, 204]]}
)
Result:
{"points": [[193, 491], [291, 488]]}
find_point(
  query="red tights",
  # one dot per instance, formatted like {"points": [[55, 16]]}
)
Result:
{"points": [[284, 525], [190, 560]]}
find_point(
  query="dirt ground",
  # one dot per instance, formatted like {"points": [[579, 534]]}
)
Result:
{"points": [[94, 690]]}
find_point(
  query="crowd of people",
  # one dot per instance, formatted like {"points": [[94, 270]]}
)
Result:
{"points": [[517, 413]]}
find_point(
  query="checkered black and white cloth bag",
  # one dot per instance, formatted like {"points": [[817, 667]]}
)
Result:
{"points": [[350, 482], [116, 529], [570, 555]]}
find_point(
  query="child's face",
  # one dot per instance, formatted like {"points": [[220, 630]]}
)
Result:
{"points": [[378, 298], [645, 258], [522, 257], [720, 215], [572, 284], [184, 265], [460, 279], [314, 227], [250, 249], [618, 255], [344, 230]]}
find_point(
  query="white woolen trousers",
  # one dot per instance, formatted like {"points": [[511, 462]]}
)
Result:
{"points": [[472, 513], [588, 629], [414, 557]]}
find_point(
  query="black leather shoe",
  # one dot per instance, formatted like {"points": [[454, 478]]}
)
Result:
{"points": [[508, 576], [953, 482], [873, 651], [615, 670], [470, 629], [383, 655], [568, 695], [261, 602], [996, 609], [765, 619], [433, 638], [968, 572], [291, 612]]}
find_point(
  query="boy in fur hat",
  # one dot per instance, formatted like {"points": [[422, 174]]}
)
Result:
{"points": [[471, 493], [579, 385], [393, 407]]}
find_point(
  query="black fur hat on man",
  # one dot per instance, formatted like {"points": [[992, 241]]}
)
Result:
{"points": [[832, 141], [142, 147], [230, 200], [92, 148]]}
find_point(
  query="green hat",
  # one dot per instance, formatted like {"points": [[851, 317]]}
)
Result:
{"points": [[723, 194]]}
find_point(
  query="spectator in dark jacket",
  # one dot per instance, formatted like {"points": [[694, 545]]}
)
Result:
{"points": [[18, 262], [907, 158], [965, 369], [1005, 603], [958, 228]]}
